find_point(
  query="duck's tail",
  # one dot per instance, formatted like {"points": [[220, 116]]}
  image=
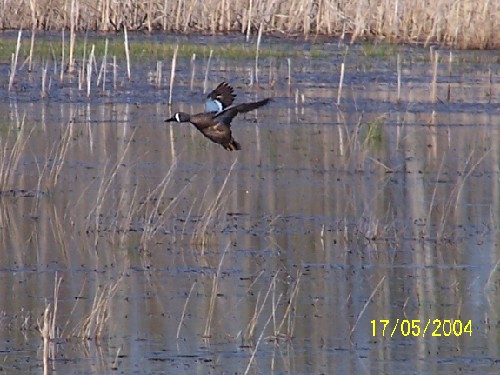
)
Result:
{"points": [[232, 145]]}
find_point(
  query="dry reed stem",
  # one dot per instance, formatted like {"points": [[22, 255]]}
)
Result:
{"points": [[490, 80], [114, 366], [288, 317], [13, 64], [83, 66], [10, 157], [59, 233], [207, 70], [184, 311], [366, 305], [432, 205], [43, 92], [434, 77], [89, 71], [210, 213], [341, 77], [44, 328], [103, 69], [155, 217], [259, 37], [94, 324], [127, 51], [61, 76], [172, 74], [468, 174], [399, 77], [72, 35], [252, 324], [104, 186], [32, 47], [213, 295], [257, 344], [456, 192], [193, 71], [158, 78], [448, 96], [72, 312], [494, 270], [289, 63], [115, 67], [33, 13], [341, 83], [47, 327], [58, 155]]}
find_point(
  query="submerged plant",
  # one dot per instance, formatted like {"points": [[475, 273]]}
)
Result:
{"points": [[374, 132]]}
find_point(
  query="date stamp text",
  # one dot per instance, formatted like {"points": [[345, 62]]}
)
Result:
{"points": [[421, 328]]}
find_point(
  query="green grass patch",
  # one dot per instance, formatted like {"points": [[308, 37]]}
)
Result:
{"points": [[377, 50], [374, 132], [143, 49]]}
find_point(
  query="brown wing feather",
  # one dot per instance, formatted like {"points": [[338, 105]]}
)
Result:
{"points": [[223, 93]]}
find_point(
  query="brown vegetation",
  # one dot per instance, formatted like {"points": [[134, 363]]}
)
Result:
{"points": [[461, 24]]}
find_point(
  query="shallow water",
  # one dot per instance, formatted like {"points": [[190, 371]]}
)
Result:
{"points": [[274, 259]]}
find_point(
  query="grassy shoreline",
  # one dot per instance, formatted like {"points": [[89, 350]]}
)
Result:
{"points": [[463, 24], [51, 47]]}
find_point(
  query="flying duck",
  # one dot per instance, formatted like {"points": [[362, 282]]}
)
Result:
{"points": [[215, 122]]}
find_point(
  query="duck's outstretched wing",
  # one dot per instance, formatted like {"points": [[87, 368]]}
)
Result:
{"points": [[220, 98], [229, 113]]}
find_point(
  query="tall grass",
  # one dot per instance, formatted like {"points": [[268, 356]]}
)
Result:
{"points": [[463, 24]]}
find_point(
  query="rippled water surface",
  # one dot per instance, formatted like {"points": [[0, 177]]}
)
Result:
{"points": [[344, 209]]}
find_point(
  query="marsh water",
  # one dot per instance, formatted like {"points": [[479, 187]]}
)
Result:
{"points": [[346, 209]]}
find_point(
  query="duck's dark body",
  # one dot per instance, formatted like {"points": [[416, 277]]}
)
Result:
{"points": [[216, 125]]}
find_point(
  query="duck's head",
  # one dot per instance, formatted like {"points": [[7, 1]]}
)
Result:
{"points": [[179, 117]]}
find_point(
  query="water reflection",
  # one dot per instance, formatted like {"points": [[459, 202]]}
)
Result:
{"points": [[277, 257]]}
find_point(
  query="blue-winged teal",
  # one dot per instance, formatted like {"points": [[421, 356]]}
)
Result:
{"points": [[215, 122]]}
